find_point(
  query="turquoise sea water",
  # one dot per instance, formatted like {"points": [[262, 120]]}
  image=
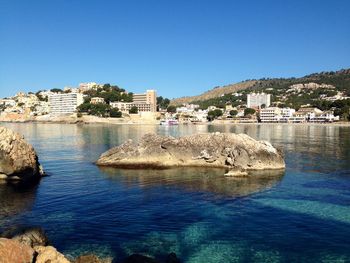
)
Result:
{"points": [[302, 215]]}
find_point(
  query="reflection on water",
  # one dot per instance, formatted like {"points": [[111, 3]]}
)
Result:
{"points": [[15, 199], [301, 216], [196, 179]]}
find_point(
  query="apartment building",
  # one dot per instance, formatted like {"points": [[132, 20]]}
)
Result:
{"points": [[255, 100], [150, 97], [64, 103], [272, 114], [126, 106]]}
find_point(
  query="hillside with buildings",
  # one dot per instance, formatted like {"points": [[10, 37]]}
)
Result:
{"points": [[321, 97], [325, 91], [287, 91], [87, 99]]}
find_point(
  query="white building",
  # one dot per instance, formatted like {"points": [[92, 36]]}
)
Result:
{"points": [[97, 100], [64, 103], [200, 116], [187, 109], [287, 112], [126, 106], [326, 116], [255, 100], [272, 114], [8, 102], [211, 108]]}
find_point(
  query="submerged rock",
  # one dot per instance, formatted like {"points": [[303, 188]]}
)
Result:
{"points": [[49, 255], [172, 258], [32, 236], [137, 258], [18, 159], [226, 150], [92, 259], [12, 251]]}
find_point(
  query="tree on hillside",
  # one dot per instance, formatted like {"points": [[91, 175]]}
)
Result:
{"points": [[106, 87], [233, 113], [214, 114], [163, 103], [133, 110], [115, 113], [171, 109], [249, 111], [101, 110], [57, 90]]}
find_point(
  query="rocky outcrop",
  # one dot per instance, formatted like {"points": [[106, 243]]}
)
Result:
{"points": [[226, 150], [32, 236], [21, 250], [18, 159], [12, 251], [49, 255], [24, 245]]}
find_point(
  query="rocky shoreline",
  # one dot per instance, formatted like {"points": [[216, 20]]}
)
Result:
{"points": [[31, 245]]}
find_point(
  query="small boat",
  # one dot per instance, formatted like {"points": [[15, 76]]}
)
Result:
{"points": [[168, 122]]}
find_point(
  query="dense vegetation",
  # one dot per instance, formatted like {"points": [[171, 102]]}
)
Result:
{"points": [[100, 110], [162, 103], [214, 114], [171, 109], [109, 93], [134, 110]]}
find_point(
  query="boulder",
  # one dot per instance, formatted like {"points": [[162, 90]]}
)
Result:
{"points": [[226, 150], [32, 236], [12, 251], [18, 159], [49, 255]]}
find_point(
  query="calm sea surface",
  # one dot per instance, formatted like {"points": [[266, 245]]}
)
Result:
{"points": [[300, 216]]}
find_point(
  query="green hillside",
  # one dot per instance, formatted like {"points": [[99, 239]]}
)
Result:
{"points": [[331, 85]]}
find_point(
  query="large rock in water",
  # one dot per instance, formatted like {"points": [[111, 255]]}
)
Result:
{"points": [[209, 150], [18, 159]]}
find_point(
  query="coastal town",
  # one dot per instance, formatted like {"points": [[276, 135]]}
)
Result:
{"points": [[93, 101]]}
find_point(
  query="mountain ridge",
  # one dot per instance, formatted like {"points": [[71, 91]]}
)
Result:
{"points": [[324, 77]]}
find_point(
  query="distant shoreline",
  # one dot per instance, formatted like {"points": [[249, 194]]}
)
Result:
{"points": [[114, 121]]}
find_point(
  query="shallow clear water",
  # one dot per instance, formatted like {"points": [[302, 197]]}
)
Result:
{"points": [[301, 216]]}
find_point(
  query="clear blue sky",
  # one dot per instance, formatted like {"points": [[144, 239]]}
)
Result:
{"points": [[178, 47]]}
